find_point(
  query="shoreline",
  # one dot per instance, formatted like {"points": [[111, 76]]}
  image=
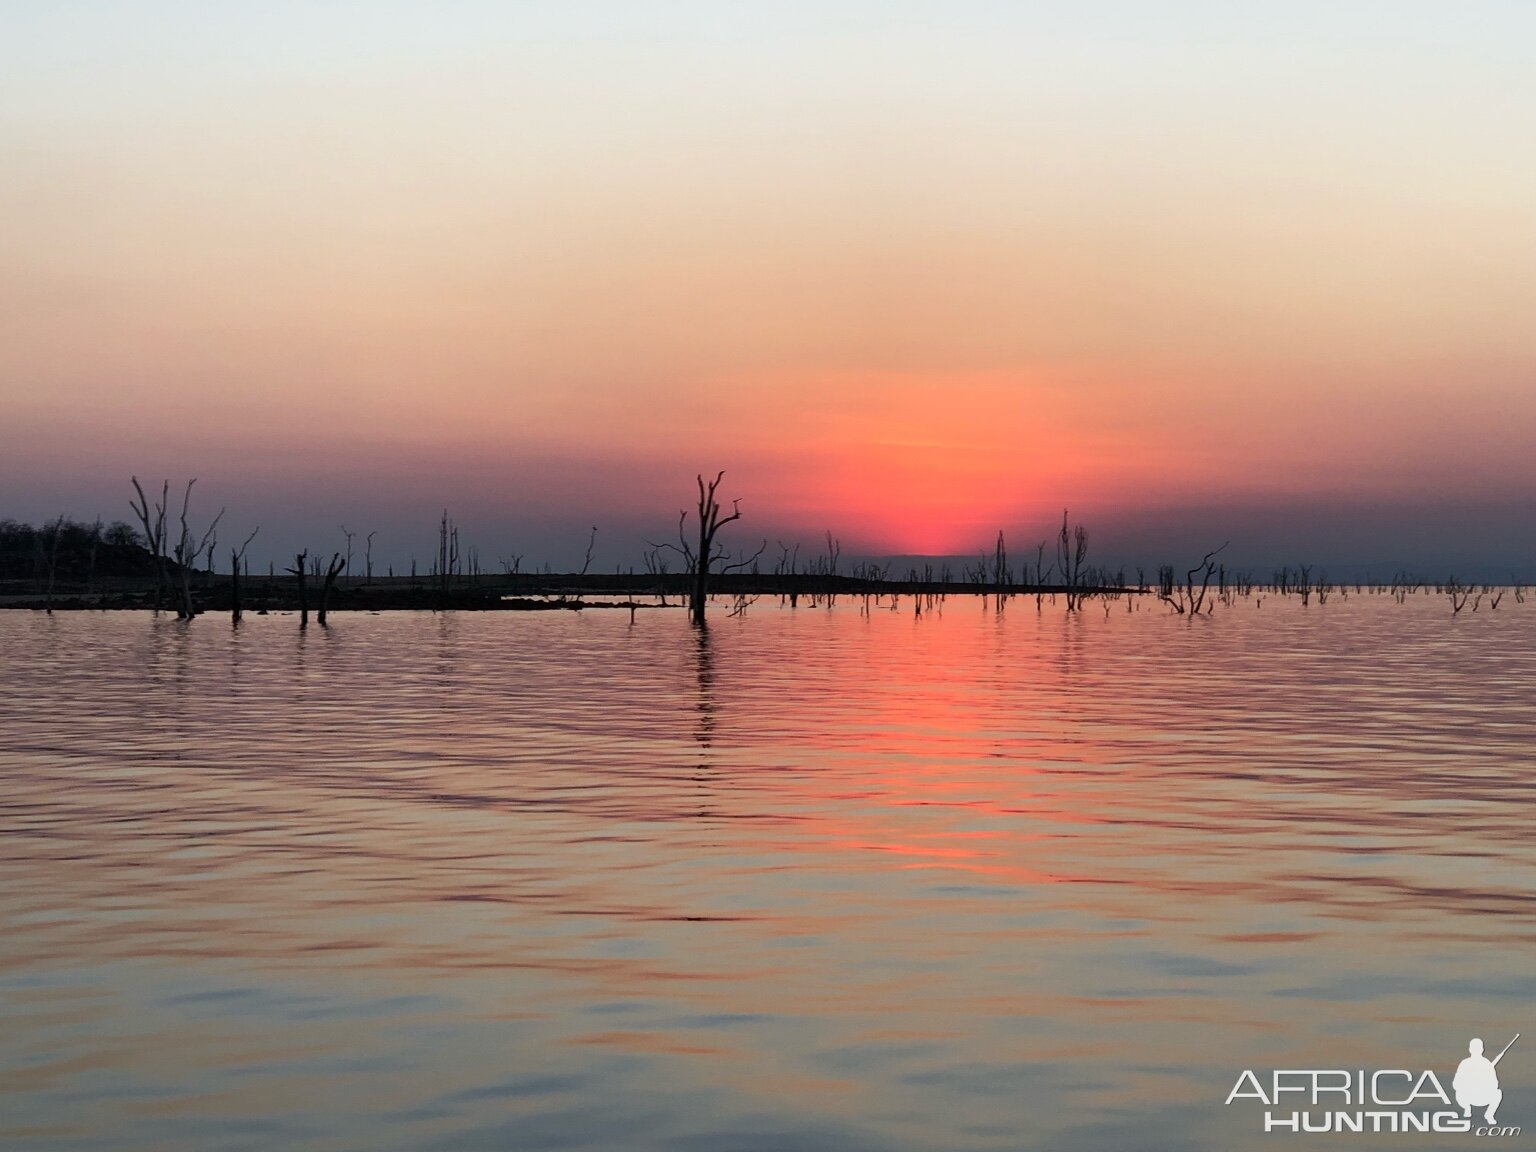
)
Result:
{"points": [[543, 594]]}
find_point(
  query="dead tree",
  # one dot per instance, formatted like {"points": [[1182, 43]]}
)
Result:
{"points": [[236, 559], [187, 552], [1071, 552], [701, 557], [368, 557], [586, 564], [298, 572], [1459, 594], [50, 558], [335, 568], [787, 570], [447, 554], [1304, 582], [154, 533], [656, 565], [1186, 598], [710, 523]]}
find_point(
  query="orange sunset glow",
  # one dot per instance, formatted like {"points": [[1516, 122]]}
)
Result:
{"points": [[909, 279]]}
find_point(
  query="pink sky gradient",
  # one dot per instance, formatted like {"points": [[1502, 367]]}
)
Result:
{"points": [[913, 275]]}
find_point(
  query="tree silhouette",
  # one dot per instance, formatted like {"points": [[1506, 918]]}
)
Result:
{"points": [[1071, 552], [702, 557], [298, 573], [236, 562], [335, 568], [154, 533]]}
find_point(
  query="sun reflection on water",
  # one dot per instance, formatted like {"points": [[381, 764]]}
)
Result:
{"points": [[812, 879]]}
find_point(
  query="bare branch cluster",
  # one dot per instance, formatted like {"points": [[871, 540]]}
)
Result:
{"points": [[1187, 598]]}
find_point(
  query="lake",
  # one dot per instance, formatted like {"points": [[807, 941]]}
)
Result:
{"points": [[813, 880]]}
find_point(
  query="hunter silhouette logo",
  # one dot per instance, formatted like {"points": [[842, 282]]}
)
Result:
{"points": [[1477, 1083], [1384, 1100]]}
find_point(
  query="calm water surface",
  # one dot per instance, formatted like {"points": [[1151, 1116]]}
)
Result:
{"points": [[816, 881]]}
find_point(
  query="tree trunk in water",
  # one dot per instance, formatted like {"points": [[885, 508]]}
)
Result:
{"points": [[185, 611], [700, 593], [298, 574], [700, 596], [336, 568]]}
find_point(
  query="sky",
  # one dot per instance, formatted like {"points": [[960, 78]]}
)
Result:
{"points": [[911, 272]]}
